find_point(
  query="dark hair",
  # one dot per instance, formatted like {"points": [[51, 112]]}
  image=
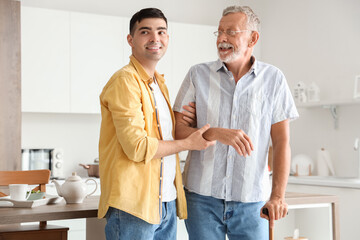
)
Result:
{"points": [[145, 13]]}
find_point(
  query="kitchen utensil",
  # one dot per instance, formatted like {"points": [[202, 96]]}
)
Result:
{"points": [[36, 196], [74, 190], [18, 192], [324, 164], [49, 199], [92, 169], [300, 92], [313, 92]]}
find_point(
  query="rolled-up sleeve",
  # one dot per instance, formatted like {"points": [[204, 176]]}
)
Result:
{"points": [[124, 102]]}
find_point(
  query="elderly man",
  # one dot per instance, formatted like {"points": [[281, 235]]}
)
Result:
{"points": [[247, 103]]}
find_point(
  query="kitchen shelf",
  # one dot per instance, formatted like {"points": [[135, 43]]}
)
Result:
{"points": [[328, 104], [332, 106]]}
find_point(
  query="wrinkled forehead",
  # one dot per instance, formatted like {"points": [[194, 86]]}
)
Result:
{"points": [[233, 21]]}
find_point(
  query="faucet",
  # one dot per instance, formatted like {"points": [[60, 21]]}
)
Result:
{"points": [[356, 148]]}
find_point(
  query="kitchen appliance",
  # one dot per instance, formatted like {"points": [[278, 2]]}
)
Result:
{"points": [[44, 158]]}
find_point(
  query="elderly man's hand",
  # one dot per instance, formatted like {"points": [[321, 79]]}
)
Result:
{"points": [[277, 209]]}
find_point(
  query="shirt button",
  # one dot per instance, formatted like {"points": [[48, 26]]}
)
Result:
{"points": [[158, 125], [160, 196], [160, 178]]}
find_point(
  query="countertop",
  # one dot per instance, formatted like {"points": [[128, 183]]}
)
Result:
{"points": [[88, 209], [330, 181], [90, 205], [58, 211]]}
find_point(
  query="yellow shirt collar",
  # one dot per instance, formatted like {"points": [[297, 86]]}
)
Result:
{"points": [[143, 74]]}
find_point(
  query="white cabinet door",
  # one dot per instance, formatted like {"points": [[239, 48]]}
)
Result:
{"points": [[97, 43], [45, 60], [191, 44]]}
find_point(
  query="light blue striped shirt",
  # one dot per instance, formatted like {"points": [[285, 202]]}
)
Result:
{"points": [[258, 100]]}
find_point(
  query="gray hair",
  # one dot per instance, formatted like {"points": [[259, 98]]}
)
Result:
{"points": [[253, 21]]}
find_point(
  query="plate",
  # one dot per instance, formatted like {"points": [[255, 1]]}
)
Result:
{"points": [[303, 162], [49, 199]]}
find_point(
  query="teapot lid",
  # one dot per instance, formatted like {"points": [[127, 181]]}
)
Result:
{"points": [[74, 177]]}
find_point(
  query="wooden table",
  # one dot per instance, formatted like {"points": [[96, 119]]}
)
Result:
{"points": [[60, 211], [302, 200], [88, 209]]}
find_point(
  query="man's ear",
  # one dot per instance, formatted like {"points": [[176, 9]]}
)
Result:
{"points": [[253, 39], [130, 40]]}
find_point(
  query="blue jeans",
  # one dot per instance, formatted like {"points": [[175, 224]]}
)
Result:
{"points": [[211, 219], [123, 226]]}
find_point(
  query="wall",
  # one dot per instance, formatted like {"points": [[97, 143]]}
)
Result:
{"points": [[309, 41], [318, 41], [76, 134]]}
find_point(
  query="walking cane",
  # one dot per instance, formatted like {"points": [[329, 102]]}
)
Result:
{"points": [[271, 233]]}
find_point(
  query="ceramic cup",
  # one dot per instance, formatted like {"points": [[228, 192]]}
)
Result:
{"points": [[18, 192]]}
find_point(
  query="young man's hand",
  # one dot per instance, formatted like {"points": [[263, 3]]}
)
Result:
{"points": [[196, 141]]}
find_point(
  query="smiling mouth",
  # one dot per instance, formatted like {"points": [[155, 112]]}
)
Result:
{"points": [[225, 48], [153, 47]]}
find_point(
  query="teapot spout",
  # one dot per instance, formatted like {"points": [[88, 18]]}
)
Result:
{"points": [[58, 187]]}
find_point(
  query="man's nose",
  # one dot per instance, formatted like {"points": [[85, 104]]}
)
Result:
{"points": [[154, 37], [222, 37]]}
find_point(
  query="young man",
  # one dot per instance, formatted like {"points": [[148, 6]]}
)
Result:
{"points": [[139, 171], [247, 102]]}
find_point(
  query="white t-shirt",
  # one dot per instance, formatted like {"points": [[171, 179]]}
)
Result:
{"points": [[169, 165]]}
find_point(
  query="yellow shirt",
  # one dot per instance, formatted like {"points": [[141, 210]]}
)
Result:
{"points": [[129, 175]]}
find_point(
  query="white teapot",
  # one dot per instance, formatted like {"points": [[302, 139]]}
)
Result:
{"points": [[74, 190]]}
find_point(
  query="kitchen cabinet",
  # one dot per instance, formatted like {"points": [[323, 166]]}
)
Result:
{"points": [[45, 53], [68, 57], [96, 52]]}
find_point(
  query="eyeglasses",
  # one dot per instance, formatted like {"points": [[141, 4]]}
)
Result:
{"points": [[229, 32]]}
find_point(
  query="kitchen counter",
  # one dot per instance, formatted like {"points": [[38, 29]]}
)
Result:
{"points": [[59, 211], [88, 209], [330, 181]]}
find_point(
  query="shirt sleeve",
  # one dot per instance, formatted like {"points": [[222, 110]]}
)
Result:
{"points": [[123, 99], [284, 105], [186, 92]]}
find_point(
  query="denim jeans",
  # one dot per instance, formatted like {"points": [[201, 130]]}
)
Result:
{"points": [[211, 219], [123, 226]]}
